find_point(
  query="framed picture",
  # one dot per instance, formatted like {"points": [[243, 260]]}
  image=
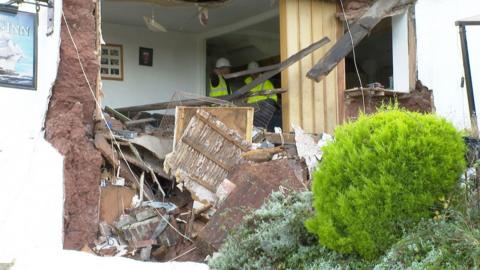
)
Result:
{"points": [[146, 57], [18, 50], [112, 62]]}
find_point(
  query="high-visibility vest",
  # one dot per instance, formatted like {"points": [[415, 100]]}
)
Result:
{"points": [[220, 90], [267, 85]]}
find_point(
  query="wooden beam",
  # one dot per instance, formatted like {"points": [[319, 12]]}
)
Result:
{"points": [[240, 93], [284, 65], [359, 30], [250, 71], [140, 121], [117, 114]]}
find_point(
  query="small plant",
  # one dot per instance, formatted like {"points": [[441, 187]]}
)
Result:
{"points": [[380, 177]]}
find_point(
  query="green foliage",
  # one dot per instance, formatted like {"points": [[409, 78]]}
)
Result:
{"points": [[273, 237], [381, 176], [451, 243]]}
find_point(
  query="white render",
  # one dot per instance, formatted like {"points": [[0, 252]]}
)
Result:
{"points": [[439, 55]]}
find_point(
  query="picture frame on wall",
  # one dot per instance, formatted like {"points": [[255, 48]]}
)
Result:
{"points": [[111, 62], [18, 44], [145, 57]]}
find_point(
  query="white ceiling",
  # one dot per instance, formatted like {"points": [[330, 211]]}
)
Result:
{"points": [[183, 18]]}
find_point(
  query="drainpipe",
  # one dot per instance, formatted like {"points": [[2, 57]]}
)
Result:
{"points": [[468, 80]]}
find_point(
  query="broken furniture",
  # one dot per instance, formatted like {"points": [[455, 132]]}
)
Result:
{"points": [[204, 155]]}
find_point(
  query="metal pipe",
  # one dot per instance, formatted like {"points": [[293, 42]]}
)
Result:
{"points": [[468, 80]]}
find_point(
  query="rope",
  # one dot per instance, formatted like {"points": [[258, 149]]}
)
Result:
{"points": [[354, 56]]}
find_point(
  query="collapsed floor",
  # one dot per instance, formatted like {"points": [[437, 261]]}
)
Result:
{"points": [[172, 186]]}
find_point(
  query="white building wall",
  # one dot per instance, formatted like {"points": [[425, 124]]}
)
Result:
{"points": [[31, 170], [175, 66], [439, 55]]}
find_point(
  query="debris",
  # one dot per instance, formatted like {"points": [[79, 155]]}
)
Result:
{"points": [[86, 248], [238, 119], [143, 230], [140, 121], [145, 214], [117, 114], [124, 221], [168, 206], [145, 243], [204, 155], [254, 183], [158, 147], [113, 202], [145, 253], [308, 149], [105, 229], [262, 154]]}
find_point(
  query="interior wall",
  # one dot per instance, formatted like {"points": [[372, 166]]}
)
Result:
{"points": [[175, 66], [439, 55], [316, 107], [400, 51]]}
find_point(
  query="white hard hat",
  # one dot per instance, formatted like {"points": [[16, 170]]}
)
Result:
{"points": [[253, 65], [222, 62]]}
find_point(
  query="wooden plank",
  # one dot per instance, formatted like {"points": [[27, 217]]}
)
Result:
{"points": [[330, 30], [224, 134], [359, 30], [204, 151], [250, 71], [318, 88], [306, 86], [293, 74], [140, 121], [113, 202], [240, 93], [341, 77], [117, 114], [249, 126], [284, 56], [284, 65], [239, 119]]}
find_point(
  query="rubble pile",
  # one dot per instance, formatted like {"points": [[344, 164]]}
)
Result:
{"points": [[175, 195]]}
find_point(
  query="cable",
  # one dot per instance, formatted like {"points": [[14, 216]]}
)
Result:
{"points": [[108, 127], [354, 56]]}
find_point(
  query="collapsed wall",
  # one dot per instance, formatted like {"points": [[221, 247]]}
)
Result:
{"points": [[70, 121], [419, 99]]}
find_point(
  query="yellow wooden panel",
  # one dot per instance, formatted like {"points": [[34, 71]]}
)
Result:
{"points": [[318, 88], [283, 56], [330, 30], [294, 86], [305, 38], [313, 106]]}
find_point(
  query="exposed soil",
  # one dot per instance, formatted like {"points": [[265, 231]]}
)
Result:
{"points": [[69, 124]]}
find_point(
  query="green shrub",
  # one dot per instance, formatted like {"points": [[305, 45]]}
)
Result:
{"points": [[273, 237], [380, 177]]}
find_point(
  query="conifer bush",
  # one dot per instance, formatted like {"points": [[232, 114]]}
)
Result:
{"points": [[380, 177]]}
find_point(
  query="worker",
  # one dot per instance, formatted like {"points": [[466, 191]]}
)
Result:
{"points": [[265, 86], [218, 86]]}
